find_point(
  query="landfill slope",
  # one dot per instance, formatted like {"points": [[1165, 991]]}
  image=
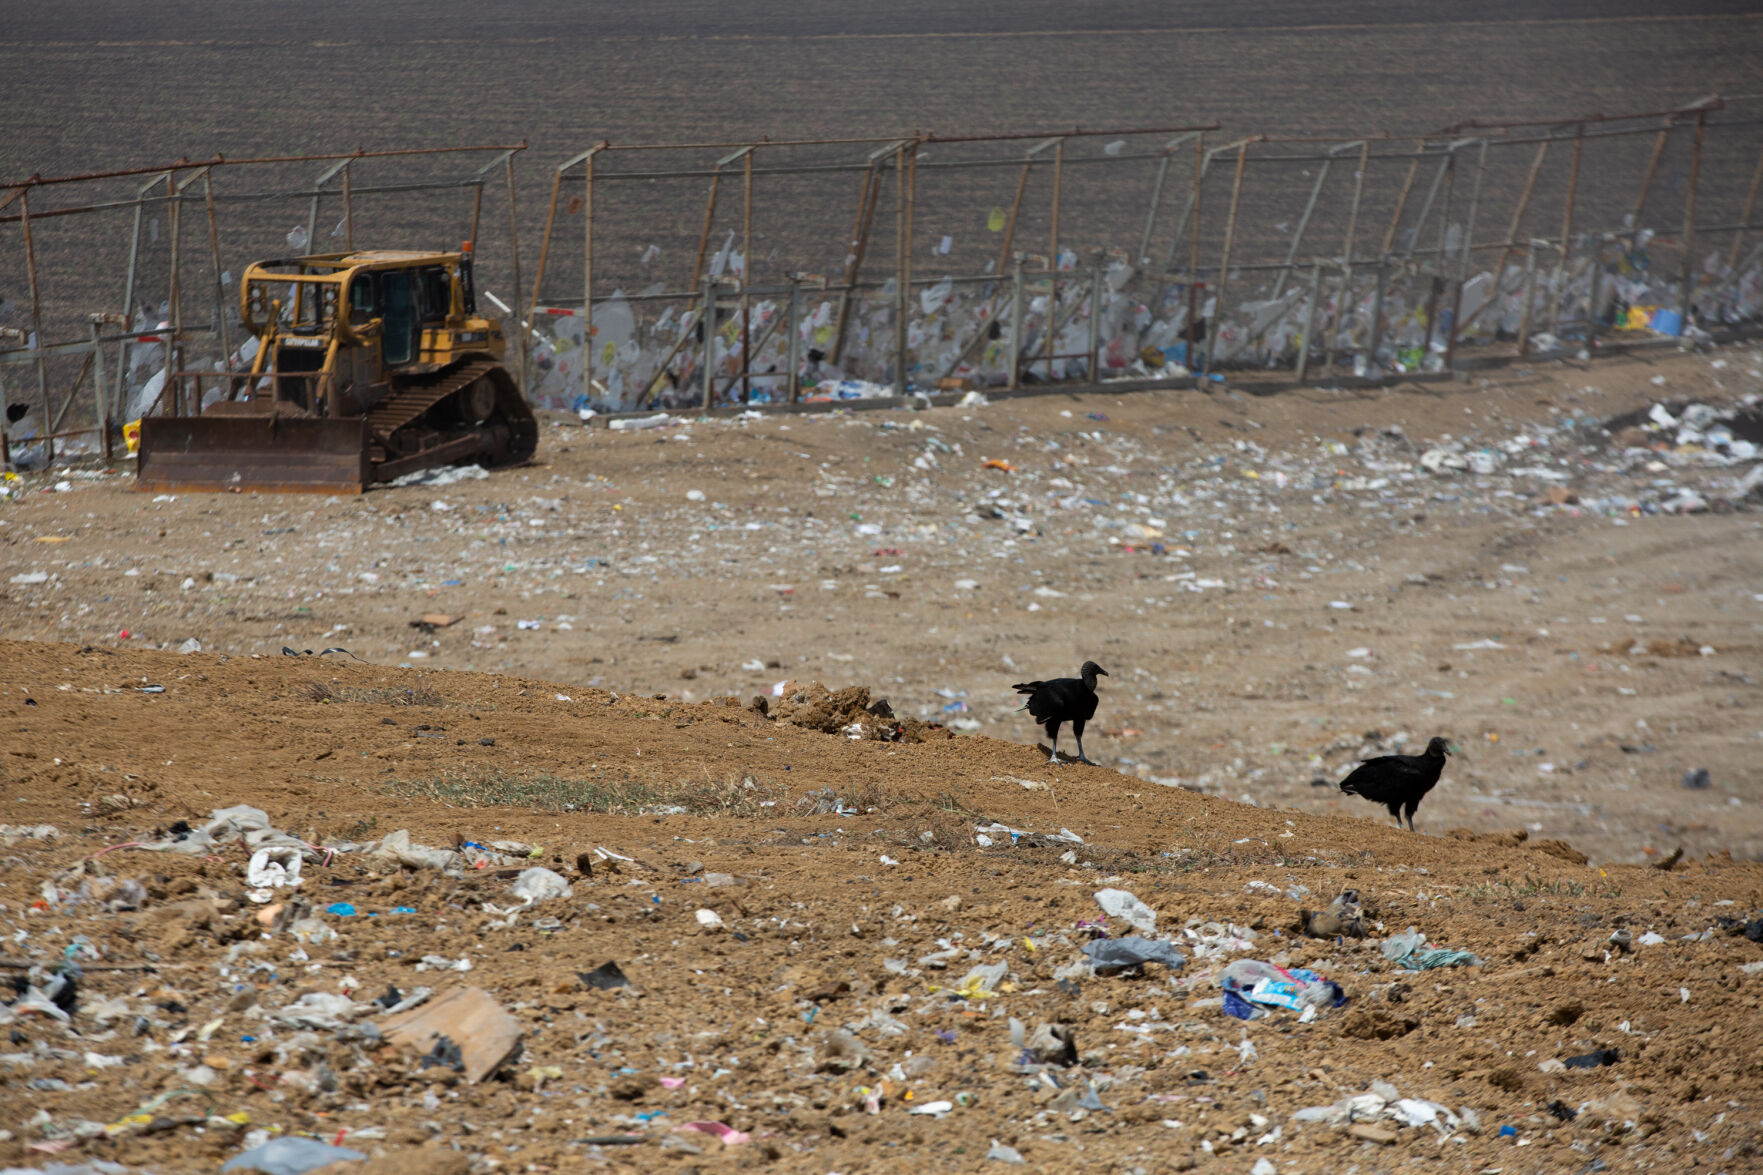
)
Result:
{"points": [[1527, 563], [854, 887]]}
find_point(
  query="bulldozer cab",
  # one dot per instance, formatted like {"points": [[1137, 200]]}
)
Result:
{"points": [[368, 365]]}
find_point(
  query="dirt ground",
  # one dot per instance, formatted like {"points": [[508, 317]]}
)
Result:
{"points": [[1277, 585]]}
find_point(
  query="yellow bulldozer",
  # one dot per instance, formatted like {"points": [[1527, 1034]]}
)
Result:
{"points": [[368, 366]]}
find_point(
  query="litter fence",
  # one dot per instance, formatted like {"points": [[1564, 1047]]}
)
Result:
{"points": [[710, 274]]}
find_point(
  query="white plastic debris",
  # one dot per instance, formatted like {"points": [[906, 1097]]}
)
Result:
{"points": [[984, 978], [290, 1154], [446, 475], [540, 885], [710, 920], [273, 867], [397, 846], [1414, 1112], [313, 931], [320, 1010], [630, 423], [1120, 903]]}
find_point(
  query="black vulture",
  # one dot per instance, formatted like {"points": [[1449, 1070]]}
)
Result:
{"points": [[1398, 782], [1064, 699]]}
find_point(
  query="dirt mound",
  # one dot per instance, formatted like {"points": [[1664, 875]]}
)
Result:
{"points": [[1518, 837], [850, 712]]}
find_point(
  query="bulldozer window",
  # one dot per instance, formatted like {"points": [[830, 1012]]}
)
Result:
{"points": [[361, 301], [303, 309], [437, 293], [399, 310]]}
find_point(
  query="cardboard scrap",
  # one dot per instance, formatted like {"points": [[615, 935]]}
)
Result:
{"points": [[485, 1035]]}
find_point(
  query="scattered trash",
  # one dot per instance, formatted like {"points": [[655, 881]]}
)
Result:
{"points": [[1252, 986], [1593, 1060], [1051, 1044], [1343, 918], [840, 1052], [605, 977], [728, 1134], [443, 475], [1107, 954], [1404, 950], [1004, 1154]]}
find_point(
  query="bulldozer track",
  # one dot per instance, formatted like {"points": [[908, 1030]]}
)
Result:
{"points": [[410, 402]]}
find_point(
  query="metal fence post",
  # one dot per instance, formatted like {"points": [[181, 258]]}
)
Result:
{"points": [[220, 301], [1511, 241], [1309, 321], [324, 178], [902, 287], [707, 321], [1345, 298], [1151, 214], [911, 185], [1279, 284], [125, 349], [1432, 194], [1530, 280], [1389, 235], [1194, 285], [1738, 234], [1016, 315], [1230, 232], [1481, 165], [1095, 339], [1689, 226], [98, 408], [525, 329], [1376, 339], [587, 275], [1562, 276], [1596, 255], [30, 254], [1053, 257], [746, 277], [795, 339], [349, 214], [174, 347]]}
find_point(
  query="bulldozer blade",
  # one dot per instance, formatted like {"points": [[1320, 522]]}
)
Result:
{"points": [[270, 454]]}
